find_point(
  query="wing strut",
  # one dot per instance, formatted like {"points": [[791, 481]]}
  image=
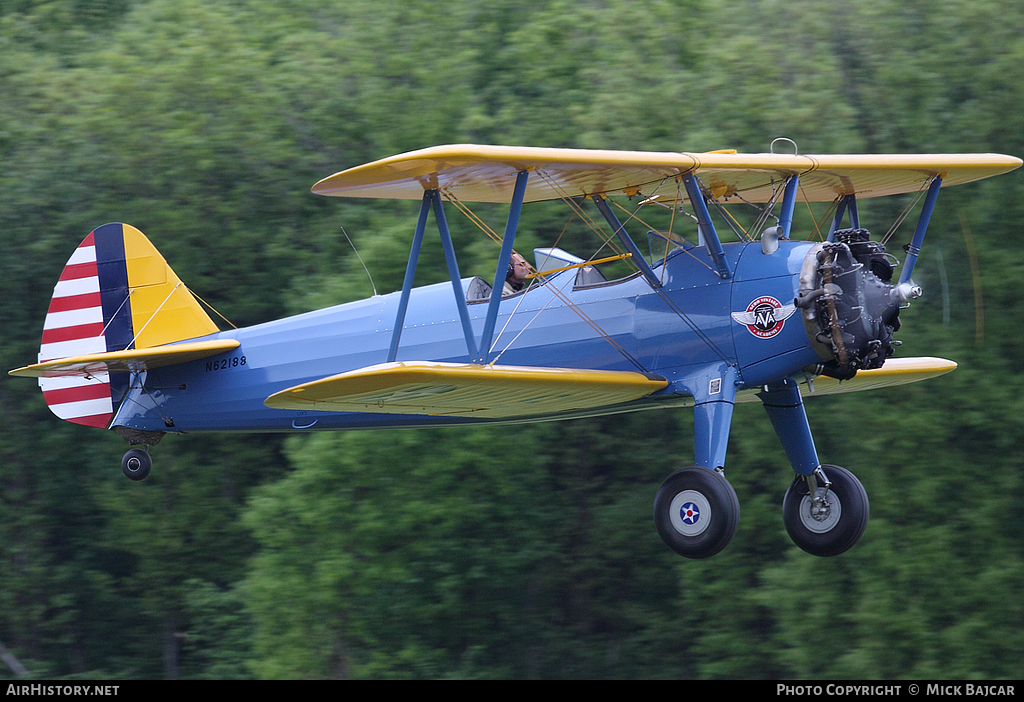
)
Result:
{"points": [[788, 205], [846, 201], [511, 226], [627, 241], [922, 226], [410, 274], [432, 200], [707, 228], [453, 270]]}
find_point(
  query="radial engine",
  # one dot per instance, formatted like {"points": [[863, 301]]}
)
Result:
{"points": [[850, 307]]}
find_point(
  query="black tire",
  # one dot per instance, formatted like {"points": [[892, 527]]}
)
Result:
{"points": [[696, 512], [136, 464], [843, 523]]}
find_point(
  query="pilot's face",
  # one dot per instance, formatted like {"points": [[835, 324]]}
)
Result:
{"points": [[521, 267]]}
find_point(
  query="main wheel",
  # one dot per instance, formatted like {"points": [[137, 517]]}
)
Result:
{"points": [[696, 512], [136, 463], [834, 527]]}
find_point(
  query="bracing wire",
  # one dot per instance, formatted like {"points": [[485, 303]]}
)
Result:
{"points": [[657, 290], [578, 211], [906, 211], [116, 312], [361, 261], [155, 313], [211, 308]]}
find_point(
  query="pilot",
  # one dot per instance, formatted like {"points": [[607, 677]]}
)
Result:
{"points": [[518, 271]]}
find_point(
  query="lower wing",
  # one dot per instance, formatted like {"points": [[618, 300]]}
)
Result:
{"points": [[467, 390]]}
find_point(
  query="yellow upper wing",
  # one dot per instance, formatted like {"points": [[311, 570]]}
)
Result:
{"points": [[465, 390], [477, 173]]}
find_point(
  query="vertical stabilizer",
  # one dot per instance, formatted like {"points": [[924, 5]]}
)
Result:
{"points": [[115, 293]]}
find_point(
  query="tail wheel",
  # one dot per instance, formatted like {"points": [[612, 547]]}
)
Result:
{"points": [[833, 525], [136, 463], [696, 512]]}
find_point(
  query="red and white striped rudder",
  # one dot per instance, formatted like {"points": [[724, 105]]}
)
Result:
{"points": [[116, 293]]}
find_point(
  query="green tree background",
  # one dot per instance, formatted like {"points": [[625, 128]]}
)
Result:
{"points": [[483, 552]]}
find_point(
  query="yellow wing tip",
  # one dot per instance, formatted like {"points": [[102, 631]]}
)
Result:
{"points": [[896, 371], [921, 365]]}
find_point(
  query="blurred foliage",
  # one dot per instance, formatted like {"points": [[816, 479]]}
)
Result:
{"points": [[495, 552]]}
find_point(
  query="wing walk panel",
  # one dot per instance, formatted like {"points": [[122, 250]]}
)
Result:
{"points": [[436, 389]]}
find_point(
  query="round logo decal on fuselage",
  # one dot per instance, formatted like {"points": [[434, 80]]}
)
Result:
{"points": [[765, 316]]}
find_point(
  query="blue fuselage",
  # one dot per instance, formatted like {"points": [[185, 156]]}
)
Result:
{"points": [[684, 327]]}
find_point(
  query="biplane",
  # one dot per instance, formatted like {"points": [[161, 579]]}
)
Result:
{"points": [[701, 320]]}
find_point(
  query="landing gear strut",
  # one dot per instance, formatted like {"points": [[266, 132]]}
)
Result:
{"points": [[825, 509]]}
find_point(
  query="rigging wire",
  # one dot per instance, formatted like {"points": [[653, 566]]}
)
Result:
{"points": [[906, 211], [660, 292], [211, 307], [688, 252], [124, 302], [667, 300], [828, 214], [607, 240], [810, 212], [155, 313], [462, 207], [559, 293], [470, 215]]}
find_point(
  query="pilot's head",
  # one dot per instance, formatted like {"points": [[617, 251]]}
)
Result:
{"points": [[518, 270]]}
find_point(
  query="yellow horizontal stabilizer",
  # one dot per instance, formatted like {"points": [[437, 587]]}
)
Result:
{"points": [[479, 173], [464, 390], [133, 360]]}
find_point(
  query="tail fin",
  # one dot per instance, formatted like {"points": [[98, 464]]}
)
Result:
{"points": [[115, 293]]}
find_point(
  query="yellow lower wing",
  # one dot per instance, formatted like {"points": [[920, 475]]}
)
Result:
{"points": [[133, 360], [896, 371], [437, 389]]}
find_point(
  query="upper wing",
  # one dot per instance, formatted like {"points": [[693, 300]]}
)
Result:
{"points": [[464, 390], [476, 173], [132, 360]]}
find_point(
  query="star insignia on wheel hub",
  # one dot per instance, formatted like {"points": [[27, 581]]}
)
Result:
{"points": [[689, 513]]}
